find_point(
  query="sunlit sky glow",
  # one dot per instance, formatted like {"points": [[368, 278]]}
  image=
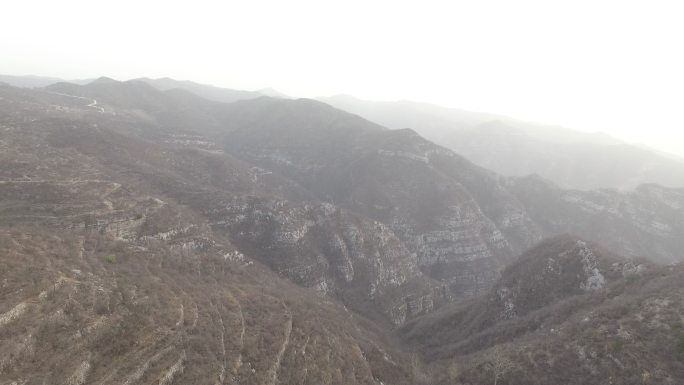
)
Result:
{"points": [[612, 66]]}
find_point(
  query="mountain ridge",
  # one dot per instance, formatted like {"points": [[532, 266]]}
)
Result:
{"points": [[511, 147]]}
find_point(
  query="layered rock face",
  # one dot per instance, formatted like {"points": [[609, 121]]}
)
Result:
{"points": [[83, 308], [464, 223], [555, 269], [647, 222], [332, 251], [567, 311], [551, 272], [97, 172], [425, 194], [112, 271]]}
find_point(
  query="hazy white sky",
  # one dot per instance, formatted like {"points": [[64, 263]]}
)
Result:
{"points": [[614, 66]]}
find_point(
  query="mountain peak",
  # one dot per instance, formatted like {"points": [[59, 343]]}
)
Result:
{"points": [[556, 268], [272, 92], [104, 80]]}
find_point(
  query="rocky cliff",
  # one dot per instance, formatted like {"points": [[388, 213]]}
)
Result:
{"points": [[566, 312]]}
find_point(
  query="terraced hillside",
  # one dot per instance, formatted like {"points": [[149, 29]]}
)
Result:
{"points": [[82, 308], [108, 255]]}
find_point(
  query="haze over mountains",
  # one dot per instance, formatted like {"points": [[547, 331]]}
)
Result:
{"points": [[218, 94], [569, 158], [168, 232]]}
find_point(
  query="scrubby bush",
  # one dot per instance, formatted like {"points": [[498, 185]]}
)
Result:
{"points": [[617, 345], [632, 278], [680, 346]]}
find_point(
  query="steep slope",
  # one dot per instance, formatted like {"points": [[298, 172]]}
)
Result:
{"points": [[522, 210], [313, 243], [456, 224], [205, 213], [551, 272], [80, 307], [110, 256], [462, 221], [569, 158], [456, 217], [565, 312], [648, 221]]}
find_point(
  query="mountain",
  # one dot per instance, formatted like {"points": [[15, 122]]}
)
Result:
{"points": [[28, 81], [273, 241], [544, 323], [565, 312], [273, 93], [421, 189], [552, 272], [436, 228], [209, 92], [640, 222], [428, 196], [571, 159], [32, 81], [110, 255], [225, 95]]}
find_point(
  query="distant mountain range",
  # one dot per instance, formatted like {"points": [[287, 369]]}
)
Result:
{"points": [[210, 92], [218, 94], [31, 81], [569, 158]]}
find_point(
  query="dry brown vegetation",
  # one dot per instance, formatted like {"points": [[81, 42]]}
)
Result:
{"points": [[111, 273], [165, 239], [69, 314], [628, 333]]}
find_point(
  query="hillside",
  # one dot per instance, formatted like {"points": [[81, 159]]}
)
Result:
{"points": [[565, 312], [81, 307], [454, 224], [276, 241], [642, 222], [421, 189], [116, 231]]}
